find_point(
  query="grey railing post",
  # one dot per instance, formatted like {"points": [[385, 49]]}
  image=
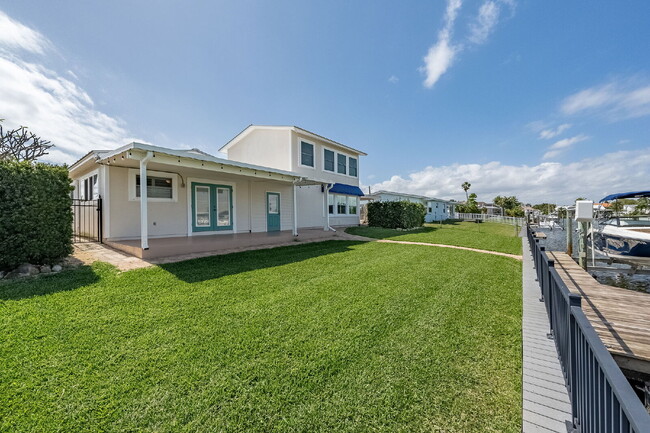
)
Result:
{"points": [[548, 293], [540, 269], [574, 301]]}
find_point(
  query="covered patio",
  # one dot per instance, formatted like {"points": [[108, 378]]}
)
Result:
{"points": [[173, 249]]}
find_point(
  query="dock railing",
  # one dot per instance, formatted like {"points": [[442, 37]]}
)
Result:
{"points": [[602, 400], [491, 218]]}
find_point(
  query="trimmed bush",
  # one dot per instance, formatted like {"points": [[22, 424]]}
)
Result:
{"points": [[396, 214], [35, 214]]}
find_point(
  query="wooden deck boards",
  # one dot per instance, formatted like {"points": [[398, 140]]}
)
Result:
{"points": [[621, 317], [546, 405]]}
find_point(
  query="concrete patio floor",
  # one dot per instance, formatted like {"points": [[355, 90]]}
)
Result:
{"points": [[127, 255]]}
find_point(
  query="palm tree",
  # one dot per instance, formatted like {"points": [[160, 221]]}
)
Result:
{"points": [[466, 186]]}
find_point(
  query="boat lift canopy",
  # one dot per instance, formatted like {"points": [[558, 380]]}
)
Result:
{"points": [[637, 194]]}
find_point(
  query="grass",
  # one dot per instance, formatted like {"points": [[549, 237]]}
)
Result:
{"points": [[334, 336], [484, 236]]}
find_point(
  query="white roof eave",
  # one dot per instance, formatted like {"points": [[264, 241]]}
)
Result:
{"points": [[199, 157]]}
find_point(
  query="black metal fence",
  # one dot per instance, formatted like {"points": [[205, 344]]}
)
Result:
{"points": [[87, 220], [602, 400]]}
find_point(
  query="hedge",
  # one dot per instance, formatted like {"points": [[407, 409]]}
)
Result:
{"points": [[396, 214], [35, 214]]}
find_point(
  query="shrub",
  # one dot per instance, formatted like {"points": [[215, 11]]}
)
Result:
{"points": [[35, 214], [396, 214]]}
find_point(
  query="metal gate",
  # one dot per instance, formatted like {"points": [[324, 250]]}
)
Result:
{"points": [[86, 220]]}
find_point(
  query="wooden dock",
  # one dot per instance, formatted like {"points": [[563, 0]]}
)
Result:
{"points": [[621, 317]]}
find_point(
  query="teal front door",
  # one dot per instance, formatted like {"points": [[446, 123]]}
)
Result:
{"points": [[211, 207], [272, 212]]}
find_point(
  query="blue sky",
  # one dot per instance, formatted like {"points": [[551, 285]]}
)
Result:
{"points": [[548, 100]]}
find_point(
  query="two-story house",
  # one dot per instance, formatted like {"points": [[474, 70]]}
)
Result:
{"points": [[274, 179]]}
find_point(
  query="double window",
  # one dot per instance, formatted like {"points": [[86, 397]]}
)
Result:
{"points": [[157, 187], [339, 204], [161, 186], [306, 154]]}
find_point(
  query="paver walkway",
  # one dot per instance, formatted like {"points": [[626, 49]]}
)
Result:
{"points": [[496, 253], [546, 404]]}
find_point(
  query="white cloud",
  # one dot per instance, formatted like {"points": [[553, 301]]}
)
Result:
{"points": [[487, 19], [547, 134], [441, 55], [49, 104], [616, 100], [546, 182], [561, 145], [15, 35], [393, 79]]}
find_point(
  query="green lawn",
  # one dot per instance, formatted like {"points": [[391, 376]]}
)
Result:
{"points": [[485, 236], [325, 337]]}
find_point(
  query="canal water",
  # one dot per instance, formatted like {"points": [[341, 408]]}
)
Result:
{"points": [[556, 240]]}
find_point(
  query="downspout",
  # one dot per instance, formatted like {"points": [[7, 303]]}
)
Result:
{"points": [[295, 208], [144, 218], [327, 211], [250, 206]]}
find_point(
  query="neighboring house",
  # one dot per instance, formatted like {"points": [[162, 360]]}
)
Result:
{"points": [[437, 209], [490, 208], [274, 179]]}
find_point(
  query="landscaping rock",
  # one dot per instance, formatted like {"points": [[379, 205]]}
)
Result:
{"points": [[28, 269], [56, 268], [46, 269], [13, 274], [2, 274]]}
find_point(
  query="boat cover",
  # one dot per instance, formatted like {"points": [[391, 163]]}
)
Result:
{"points": [[635, 194]]}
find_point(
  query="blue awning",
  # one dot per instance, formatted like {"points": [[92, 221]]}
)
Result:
{"points": [[341, 188], [626, 195]]}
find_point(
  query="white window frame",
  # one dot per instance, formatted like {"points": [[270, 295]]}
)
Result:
{"points": [[336, 203], [336, 164], [233, 185], [333, 171], [356, 205], [356, 158], [300, 164], [81, 187], [173, 176]]}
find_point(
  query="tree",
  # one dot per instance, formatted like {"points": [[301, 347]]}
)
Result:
{"points": [[509, 204], [466, 186], [616, 206], [20, 144], [547, 208], [642, 206], [470, 206]]}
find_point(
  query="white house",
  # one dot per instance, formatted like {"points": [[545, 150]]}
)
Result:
{"points": [[275, 178], [437, 209]]}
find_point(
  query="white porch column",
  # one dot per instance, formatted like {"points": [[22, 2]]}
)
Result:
{"points": [[295, 211], [144, 203], [326, 227]]}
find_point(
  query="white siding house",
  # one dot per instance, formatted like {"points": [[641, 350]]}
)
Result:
{"points": [[265, 184], [437, 209]]}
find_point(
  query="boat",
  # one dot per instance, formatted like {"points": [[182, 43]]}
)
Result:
{"points": [[627, 238]]}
